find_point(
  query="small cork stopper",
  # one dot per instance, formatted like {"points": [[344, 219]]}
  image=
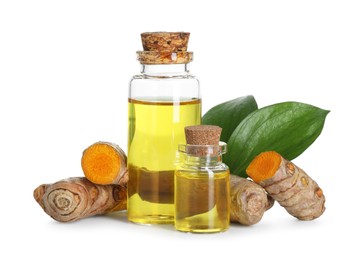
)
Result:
{"points": [[165, 48], [165, 41], [203, 135]]}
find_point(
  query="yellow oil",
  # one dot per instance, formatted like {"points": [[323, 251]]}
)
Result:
{"points": [[155, 130], [202, 201]]}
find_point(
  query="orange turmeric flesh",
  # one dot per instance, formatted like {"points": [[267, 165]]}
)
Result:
{"points": [[104, 163], [264, 166]]}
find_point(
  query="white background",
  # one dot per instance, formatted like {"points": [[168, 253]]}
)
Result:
{"points": [[64, 73]]}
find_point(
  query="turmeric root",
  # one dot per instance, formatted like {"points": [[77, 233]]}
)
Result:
{"points": [[75, 198], [288, 184], [248, 201], [105, 163]]}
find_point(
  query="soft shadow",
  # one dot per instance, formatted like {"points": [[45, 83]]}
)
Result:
{"points": [[122, 217], [117, 216]]}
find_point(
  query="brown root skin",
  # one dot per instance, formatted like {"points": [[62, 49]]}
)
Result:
{"points": [[288, 184], [249, 201], [105, 163], [75, 198]]}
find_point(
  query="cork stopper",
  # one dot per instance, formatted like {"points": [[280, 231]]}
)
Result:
{"points": [[203, 139], [165, 41], [165, 48], [203, 134]]}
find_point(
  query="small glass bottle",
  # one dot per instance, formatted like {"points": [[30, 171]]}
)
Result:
{"points": [[202, 183], [163, 99]]}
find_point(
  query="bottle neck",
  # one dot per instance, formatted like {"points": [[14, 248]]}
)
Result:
{"points": [[202, 161], [164, 70], [202, 156]]}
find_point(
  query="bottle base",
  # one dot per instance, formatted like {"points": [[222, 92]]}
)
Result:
{"points": [[201, 229], [152, 219]]}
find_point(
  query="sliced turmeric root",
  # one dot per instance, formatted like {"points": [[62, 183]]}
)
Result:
{"points": [[105, 163], [288, 184]]}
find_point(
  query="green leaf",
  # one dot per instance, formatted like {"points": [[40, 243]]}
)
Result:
{"points": [[228, 115], [288, 128]]}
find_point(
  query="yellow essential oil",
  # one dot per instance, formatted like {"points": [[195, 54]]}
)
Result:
{"points": [[202, 201], [155, 130]]}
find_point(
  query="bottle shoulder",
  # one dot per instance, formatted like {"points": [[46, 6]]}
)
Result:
{"points": [[159, 77]]}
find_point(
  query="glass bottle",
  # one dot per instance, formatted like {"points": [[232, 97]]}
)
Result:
{"points": [[163, 99], [202, 189]]}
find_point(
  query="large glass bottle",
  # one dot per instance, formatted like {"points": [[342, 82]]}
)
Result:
{"points": [[163, 99]]}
